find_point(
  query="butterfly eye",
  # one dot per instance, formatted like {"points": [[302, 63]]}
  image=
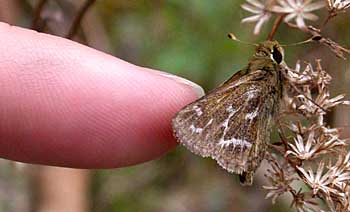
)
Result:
{"points": [[277, 55]]}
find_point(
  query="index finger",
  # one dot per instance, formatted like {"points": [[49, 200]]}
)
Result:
{"points": [[65, 104]]}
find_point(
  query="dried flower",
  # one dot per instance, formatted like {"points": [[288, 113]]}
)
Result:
{"points": [[319, 139], [302, 83], [332, 185], [261, 11], [280, 178], [298, 10], [301, 150], [318, 181], [308, 97], [303, 201], [309, 75], [338, 5]]}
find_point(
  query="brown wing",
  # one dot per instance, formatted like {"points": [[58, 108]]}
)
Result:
{"points": [[232, 123]]}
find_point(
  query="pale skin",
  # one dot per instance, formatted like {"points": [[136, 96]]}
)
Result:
{"points": [[65, 104]]}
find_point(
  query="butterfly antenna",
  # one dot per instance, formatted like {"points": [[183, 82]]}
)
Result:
{"points": [[313, 38], [233, 37]]}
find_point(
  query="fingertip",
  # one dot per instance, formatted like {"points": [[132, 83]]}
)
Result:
{"points": [[69, 105], [195, 88]]}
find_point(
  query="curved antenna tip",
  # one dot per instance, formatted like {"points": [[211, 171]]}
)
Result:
{"points": [[233, 37], [313, 38]]}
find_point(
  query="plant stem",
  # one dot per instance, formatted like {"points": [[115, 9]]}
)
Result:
{"points": [[36, 15], [329, 17], [275, 26], [77, 19]]}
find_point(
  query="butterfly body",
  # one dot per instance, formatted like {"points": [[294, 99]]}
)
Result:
{"points": [[232, 123]]}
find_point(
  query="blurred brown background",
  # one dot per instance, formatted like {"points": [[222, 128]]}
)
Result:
{"points": [[187, 38]]}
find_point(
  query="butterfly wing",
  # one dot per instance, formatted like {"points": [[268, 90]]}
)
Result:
{"points": [[232, 123]]}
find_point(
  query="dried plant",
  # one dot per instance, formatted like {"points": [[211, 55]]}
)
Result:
{"points": [[301, 163], [308, 143]]}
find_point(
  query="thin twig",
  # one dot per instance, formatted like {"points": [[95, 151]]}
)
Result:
{"points": [[276, 148], [282, 137], [37, 15], [308, 98], [329, 17], [77, 19], [337, 49], [275, 26]]}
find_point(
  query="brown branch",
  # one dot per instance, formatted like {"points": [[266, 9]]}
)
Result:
{"points": [[275, 26], [331, 15], [37, 15], [77, 19], [337, 49]]}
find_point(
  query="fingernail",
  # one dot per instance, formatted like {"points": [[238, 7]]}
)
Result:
{"points": [[196, 88]]}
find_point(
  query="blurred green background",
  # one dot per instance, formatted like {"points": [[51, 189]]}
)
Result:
{"points": [[186, 38]]}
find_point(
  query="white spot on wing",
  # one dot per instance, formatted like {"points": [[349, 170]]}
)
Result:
{"points": [[235, 142], [195, 129], [250, 116], [199, 129], [209, 122], [230, 109], [198, 110], [232, 112], [251, 94]]}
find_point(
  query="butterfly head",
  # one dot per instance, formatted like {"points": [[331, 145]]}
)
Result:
{"points": [[270, 50]]}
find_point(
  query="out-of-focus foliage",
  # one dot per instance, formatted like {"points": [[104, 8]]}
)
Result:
{"points": [[186, 38], [14, 188]]}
